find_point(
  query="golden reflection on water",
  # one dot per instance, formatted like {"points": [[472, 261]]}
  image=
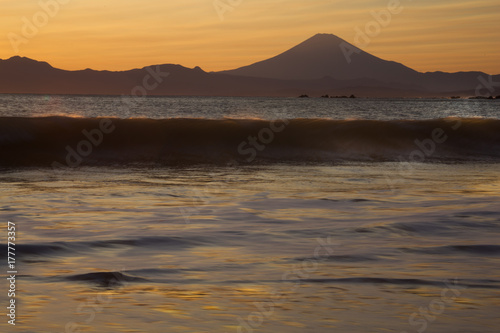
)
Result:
{"points": [[265, 223]]}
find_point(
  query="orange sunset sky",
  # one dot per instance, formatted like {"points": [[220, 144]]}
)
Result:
{"points": [[426, 35]]}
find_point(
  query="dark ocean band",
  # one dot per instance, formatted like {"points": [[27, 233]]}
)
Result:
{"points": [[63, 142]]}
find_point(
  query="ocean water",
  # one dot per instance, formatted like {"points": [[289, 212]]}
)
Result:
{"points": [[243, 107], [164, 215]]}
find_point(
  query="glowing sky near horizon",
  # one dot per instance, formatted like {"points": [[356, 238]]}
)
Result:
{"points": [[427, 35]]}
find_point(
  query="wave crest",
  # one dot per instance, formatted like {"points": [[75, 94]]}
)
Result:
{"points": [[64, 141]]}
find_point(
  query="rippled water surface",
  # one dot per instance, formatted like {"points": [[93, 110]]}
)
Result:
{"points": [[278, 248], [244, 107]]}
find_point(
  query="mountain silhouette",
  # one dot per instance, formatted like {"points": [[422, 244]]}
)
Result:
{"points": [[323, 64], [327, 55]]}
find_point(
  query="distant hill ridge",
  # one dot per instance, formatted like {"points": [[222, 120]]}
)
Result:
{"points": [[316, 66]]}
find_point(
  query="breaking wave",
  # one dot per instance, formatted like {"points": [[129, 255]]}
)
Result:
{"points": [[70, 142]]}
